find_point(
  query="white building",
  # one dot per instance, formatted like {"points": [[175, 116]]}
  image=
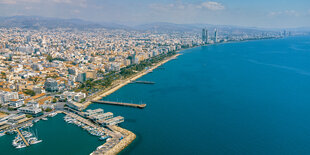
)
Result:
{"points": [[72, 96], [5, 97], [16, 103], [31, 110], [90, 112]]}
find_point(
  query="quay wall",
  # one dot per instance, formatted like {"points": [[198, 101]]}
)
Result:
{"points": [[129, 138]]}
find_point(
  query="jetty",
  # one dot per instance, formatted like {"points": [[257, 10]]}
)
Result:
{"points": [[143, 82], [22, 136], [81, 119], [115, 145], [89, 123], [141, 106]]}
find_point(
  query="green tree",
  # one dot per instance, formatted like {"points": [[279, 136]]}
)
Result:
{"points": [[10, 109], [28, 116], [82, 100], [48, 110], [49, 58], [54, 100], [29, 92], [3, 75]]}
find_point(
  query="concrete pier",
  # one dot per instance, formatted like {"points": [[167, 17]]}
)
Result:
{"points": [[141, 106], [143, 82], [22, 136]]}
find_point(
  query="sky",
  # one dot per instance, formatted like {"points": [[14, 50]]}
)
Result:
{"points": [[253, 13]]}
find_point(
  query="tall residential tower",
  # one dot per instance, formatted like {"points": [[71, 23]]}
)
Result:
{"points": [[215, 36], [205, 36]]}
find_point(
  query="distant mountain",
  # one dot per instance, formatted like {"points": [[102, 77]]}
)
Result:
{"points": [[161, 26], [169, 27], [35, 22], [114, 26]]}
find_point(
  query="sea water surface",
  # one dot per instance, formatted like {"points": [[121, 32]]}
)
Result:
{"points": [[234, 98]]}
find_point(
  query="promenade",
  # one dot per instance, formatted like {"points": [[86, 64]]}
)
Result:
{"points": [[120, 83]]}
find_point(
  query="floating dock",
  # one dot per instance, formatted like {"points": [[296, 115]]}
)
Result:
{"points": [[22, 136], [141, 106], [83, 120]]}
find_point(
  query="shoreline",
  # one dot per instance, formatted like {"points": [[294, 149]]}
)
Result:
{"points": [[124, 82], [121, 83], [130, 136]]}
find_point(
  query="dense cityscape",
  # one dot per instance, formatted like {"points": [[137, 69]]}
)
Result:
{"points": [[164, 77], [50, 71]]}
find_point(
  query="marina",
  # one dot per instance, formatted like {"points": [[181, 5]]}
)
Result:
{"points": [[112, 135], [95, 122], [24, 139], [91, 130]]}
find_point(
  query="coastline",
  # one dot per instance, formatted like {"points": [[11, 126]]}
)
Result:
{"points": [[119, 84], [130, 136]]}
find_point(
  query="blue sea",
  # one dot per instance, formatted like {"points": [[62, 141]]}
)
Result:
{"points": [[233, 98]]}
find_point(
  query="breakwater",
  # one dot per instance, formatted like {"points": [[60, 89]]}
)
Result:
{"points": [[128, 138]]}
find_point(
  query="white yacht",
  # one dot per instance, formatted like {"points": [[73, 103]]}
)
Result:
{"points": [[20, 146]]}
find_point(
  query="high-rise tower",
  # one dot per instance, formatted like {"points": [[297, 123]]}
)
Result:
{"points": [[207, 37], [203, 35], [215, 36], [284, 33]]}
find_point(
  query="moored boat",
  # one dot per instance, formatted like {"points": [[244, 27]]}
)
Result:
{"points": [[104, 137], [19, 146]]}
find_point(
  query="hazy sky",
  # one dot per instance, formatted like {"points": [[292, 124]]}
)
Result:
{"points": [[259, 13]]}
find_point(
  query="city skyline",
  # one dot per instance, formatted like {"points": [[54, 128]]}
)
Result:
{"points": [[264, 14]]}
